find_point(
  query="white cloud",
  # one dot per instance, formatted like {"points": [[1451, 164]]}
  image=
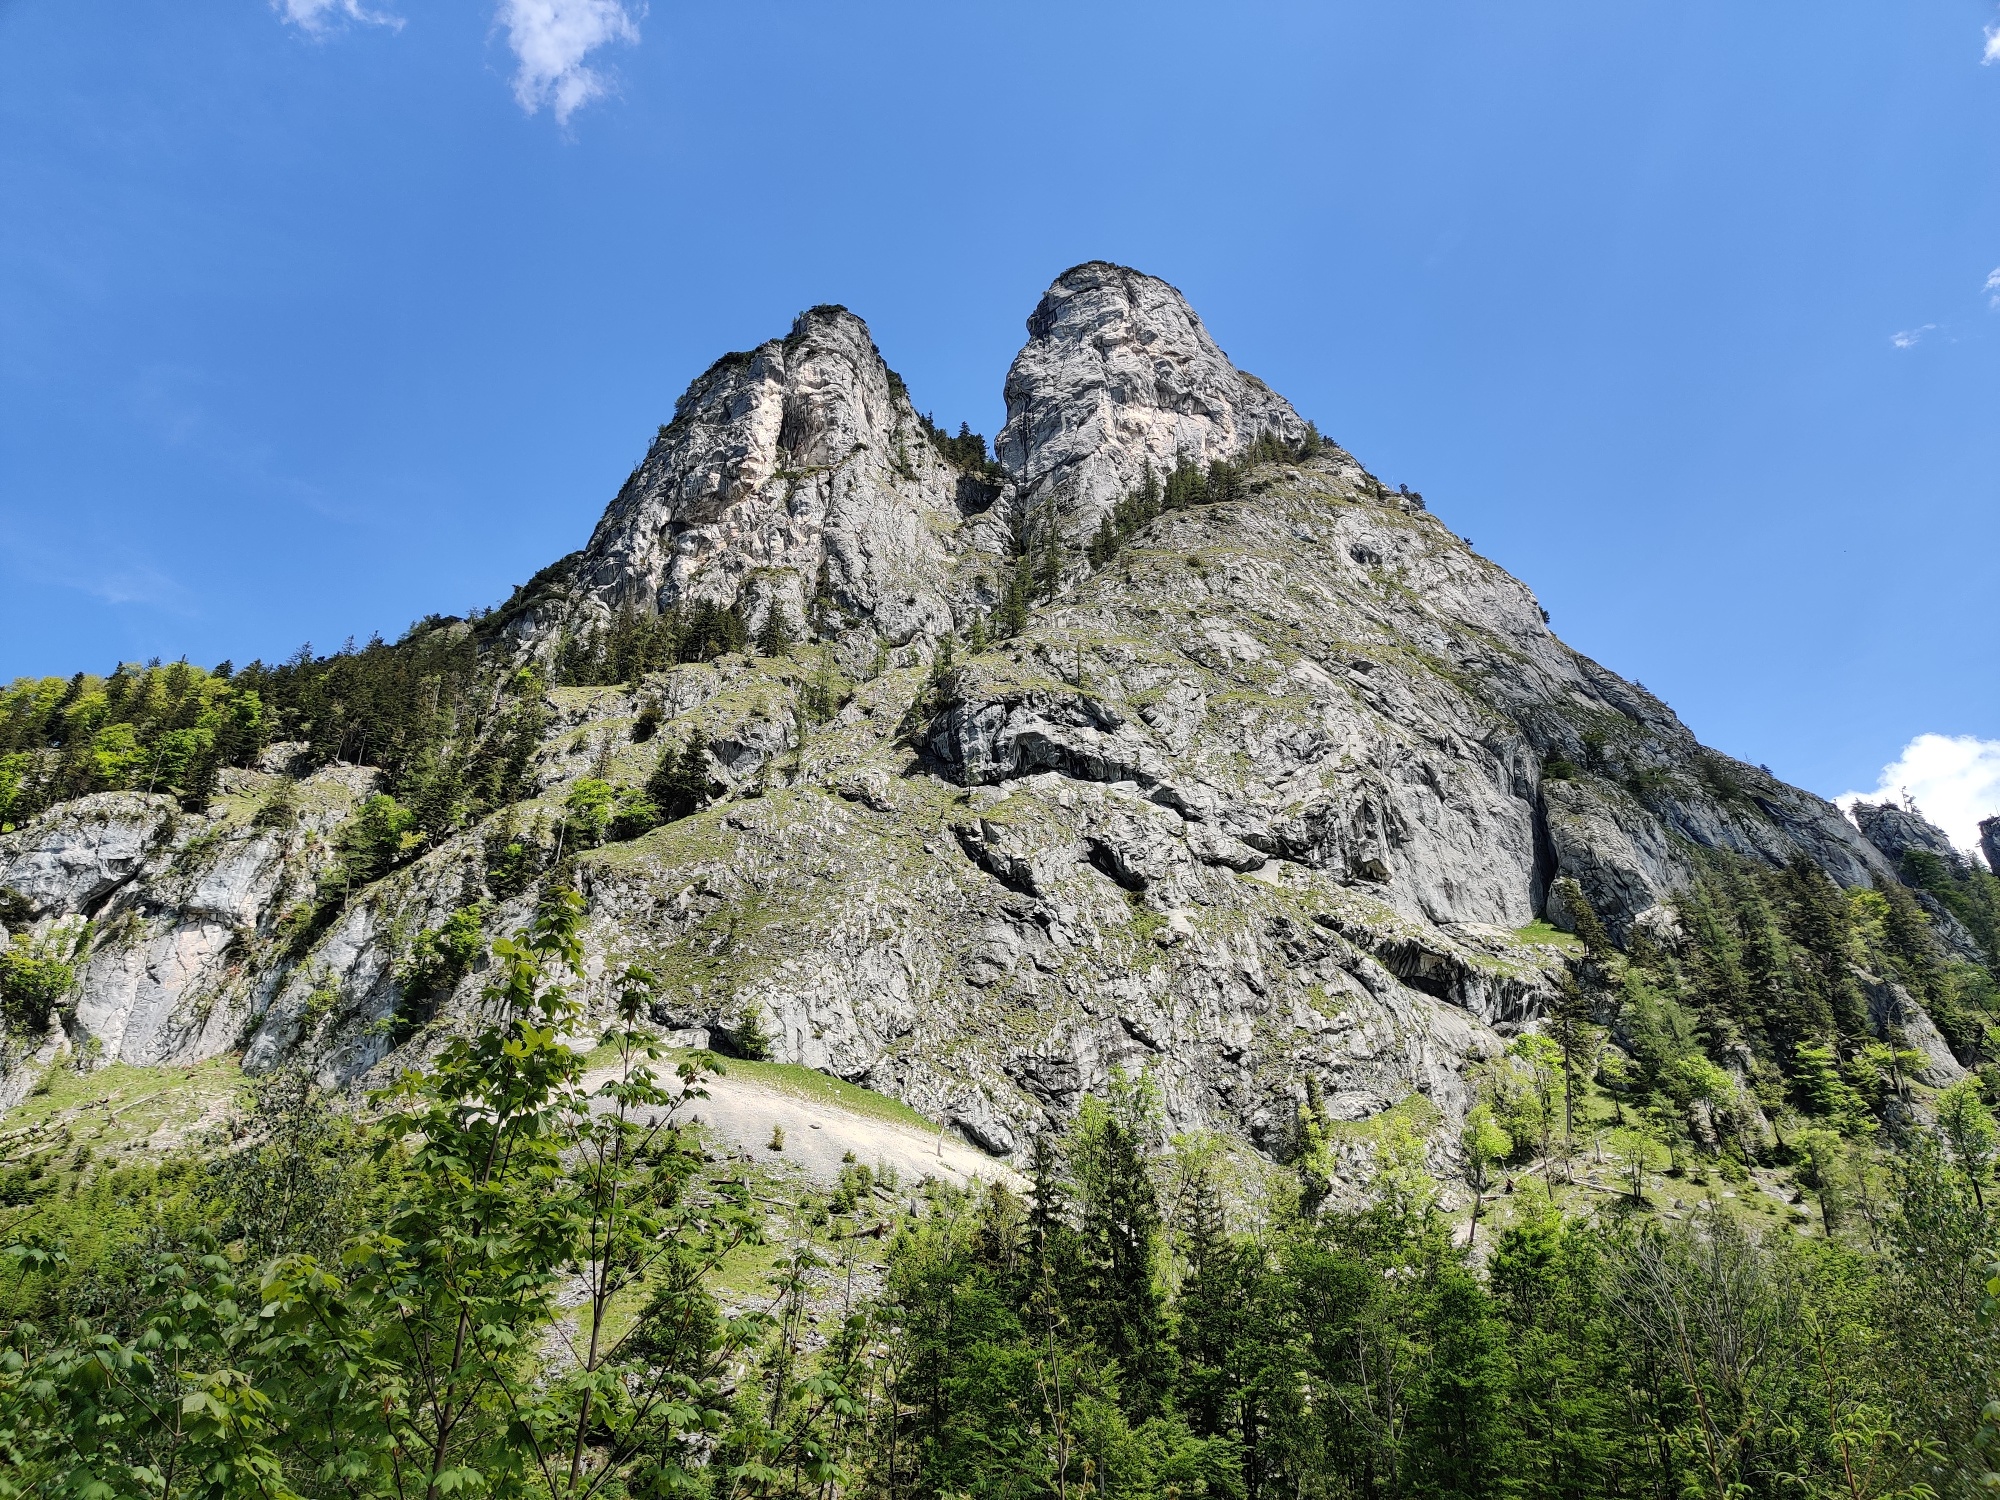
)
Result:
{"points": [[551, 39], [1992, 288], [1954, 779], [1909, 338], [315, 16], [1992, 45]]}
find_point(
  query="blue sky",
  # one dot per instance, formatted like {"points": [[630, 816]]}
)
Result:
{"points": [[318, 317]]}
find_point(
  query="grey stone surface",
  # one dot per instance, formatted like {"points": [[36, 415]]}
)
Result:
{"points": [[796, 468], [1894, 830], [1264, 805], [1898, 1017], [1118, 373]]}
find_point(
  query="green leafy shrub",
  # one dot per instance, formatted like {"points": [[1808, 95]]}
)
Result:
{"points": [[34, 977], [381, 835], [438, 959]]}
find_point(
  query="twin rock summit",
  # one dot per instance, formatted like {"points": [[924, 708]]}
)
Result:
{"points": [[1270, 794]]}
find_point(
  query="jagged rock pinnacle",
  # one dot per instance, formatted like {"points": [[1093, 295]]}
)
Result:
{"points": [[1119, 372], [795, 464]]}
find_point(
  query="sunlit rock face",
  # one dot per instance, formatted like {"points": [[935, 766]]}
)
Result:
{"points": [[1119, 373], [797, 467], [1264, 805]]}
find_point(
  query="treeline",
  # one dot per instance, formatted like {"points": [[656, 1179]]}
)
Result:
{"points": [[1772, 975], [636, 642], [1190, 484], [966, 452], [1108, 1334], [449, 736], [454, 735], [165, 728], [499, 1283], [1749, 1036]]}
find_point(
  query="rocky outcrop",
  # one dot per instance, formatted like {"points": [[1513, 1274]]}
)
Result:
{"points": [[1895, 830], [1119, 373], [794, 477], [180, 917], [1899, 1020], [70, 862]]}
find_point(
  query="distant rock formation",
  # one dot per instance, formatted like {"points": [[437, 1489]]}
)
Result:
{"points": [[1895, 830]]}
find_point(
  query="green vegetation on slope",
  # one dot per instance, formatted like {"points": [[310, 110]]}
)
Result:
{"points": [[492, 1284]]}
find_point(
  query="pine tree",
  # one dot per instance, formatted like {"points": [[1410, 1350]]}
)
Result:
{"points": [[1013, 613], [1596, 941], [1209, 1315], [1119, 1300], [775, 636], [943, 683], [1049, 569], [1149, 493], [1224, 483], [1104, 546], [1574, 1036], [679, 783], [1048, 1203], [820, 613]]}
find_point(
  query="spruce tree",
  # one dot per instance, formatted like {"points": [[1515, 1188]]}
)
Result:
{"points": [[1224, 483], [775, 635], [1209, 1315], [1013, 614], [1149, 493], [1104, 546], [1596, 941], [1571, 1031], [679, 783], [1118, 1299]]}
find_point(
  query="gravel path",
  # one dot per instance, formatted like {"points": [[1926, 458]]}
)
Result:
{"points": [[818, 1135]]}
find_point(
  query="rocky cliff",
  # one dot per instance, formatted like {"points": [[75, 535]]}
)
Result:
{"points": [[1119, 374], [1271, 801]]}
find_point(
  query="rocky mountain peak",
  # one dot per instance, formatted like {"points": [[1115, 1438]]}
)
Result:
{"points": [[793, 469], [1120, 372], [1271, 796]]}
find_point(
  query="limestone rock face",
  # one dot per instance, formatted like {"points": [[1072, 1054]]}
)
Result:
{"points": [[72, 860], [179, 917], [1893, 830], [793, 470], [1896, 1014], [1265, 804], [1119, 372]]}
